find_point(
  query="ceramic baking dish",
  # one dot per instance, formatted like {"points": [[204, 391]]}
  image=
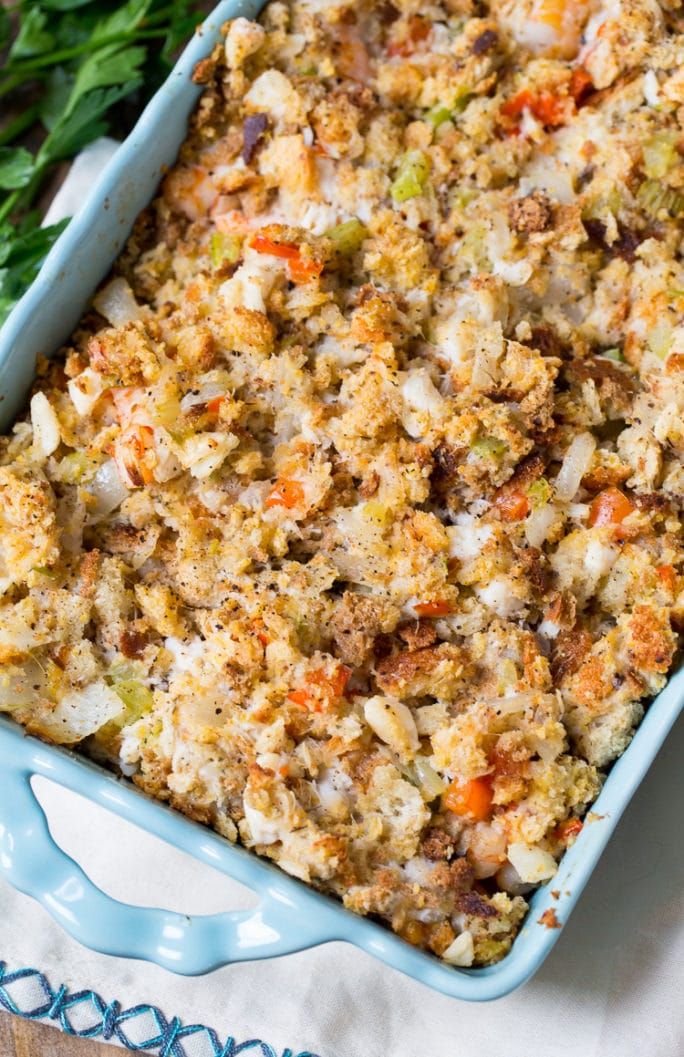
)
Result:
{"points": [[290, 916]]}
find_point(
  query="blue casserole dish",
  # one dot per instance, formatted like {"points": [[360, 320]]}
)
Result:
{"points": [[290, 916]]}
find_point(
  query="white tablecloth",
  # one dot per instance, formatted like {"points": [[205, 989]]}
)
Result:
{"points": [[611, 988]]}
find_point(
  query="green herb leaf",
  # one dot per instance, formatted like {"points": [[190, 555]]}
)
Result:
{"points": [[65, 5], [83, 124], [121, 22], [111, 65], [33, 37], [21, 257], [16, 167]]}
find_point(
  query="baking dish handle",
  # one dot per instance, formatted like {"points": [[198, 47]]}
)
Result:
{"points": [[34, 863]]}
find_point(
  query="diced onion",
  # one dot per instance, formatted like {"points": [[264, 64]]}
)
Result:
{"points": [[79, 713], [46, 434], [538, 524], [431, 784], [108, 490], [461, 951], [393, 723], [576, 462], [116, 303], [532, 864]]}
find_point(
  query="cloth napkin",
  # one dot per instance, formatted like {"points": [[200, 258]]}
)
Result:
{"points": [[611, 987]]}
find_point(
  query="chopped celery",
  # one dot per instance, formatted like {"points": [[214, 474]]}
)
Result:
{"points": [[656, 198], [411, 176], [462, 99], [136, 697], [224, 249], [42, 570], [348, 236], [660, 154], [462, 197], [437, 115], [659, 339], [73, 467], [613, 354], [488, 448], [539, 493]]}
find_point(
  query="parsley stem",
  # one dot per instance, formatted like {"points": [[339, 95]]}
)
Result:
{"points": [[23, 121], [17, 71]]}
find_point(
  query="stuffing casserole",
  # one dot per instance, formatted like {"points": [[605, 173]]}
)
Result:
{"points": [[349, 521]]}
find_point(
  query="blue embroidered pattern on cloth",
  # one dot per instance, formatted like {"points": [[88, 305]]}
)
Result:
{"points": [[27, 993]]}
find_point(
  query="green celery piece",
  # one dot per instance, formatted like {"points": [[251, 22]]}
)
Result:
{"points": [[488, 448], [348, 236], [137, 697], [539, 493], [660, 154], [613, 354], [412, 176], [438, 114], [224, 249]]}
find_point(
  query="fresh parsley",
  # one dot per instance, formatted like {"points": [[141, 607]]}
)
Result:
{"points": [[72, 70]]}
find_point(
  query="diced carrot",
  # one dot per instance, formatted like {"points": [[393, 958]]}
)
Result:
{"points": [[327, 688], [433, 609], [301, 697], [513, 506], [568, 829], [285, 492], [581, 85], [214, 405], [286, 250], [610, 507], [260, 632], [548, 108], [473, 798], [340, 679], [302, 270], [667, 576]]}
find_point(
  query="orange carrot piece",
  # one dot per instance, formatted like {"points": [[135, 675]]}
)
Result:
{"points": [[473, 798], [513, 506], [610, 508], [433, 609], [285, 492]]}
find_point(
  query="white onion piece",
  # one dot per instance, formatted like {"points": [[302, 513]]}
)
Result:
{"points": [[461, 951], [393, 723], [533, 864], [431, 783], [116, 303], [108, 489], [79, 713], [46, 433], [576, 462], [538, 524], [508, 878]]}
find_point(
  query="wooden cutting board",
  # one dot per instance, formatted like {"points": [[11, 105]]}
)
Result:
{"points": [[26, 1038]]}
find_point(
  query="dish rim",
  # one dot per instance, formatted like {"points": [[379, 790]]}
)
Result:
{"points": [[300, 916]]}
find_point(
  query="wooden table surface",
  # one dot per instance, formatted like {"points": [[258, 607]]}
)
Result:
{"points": [[27, 1038]]}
